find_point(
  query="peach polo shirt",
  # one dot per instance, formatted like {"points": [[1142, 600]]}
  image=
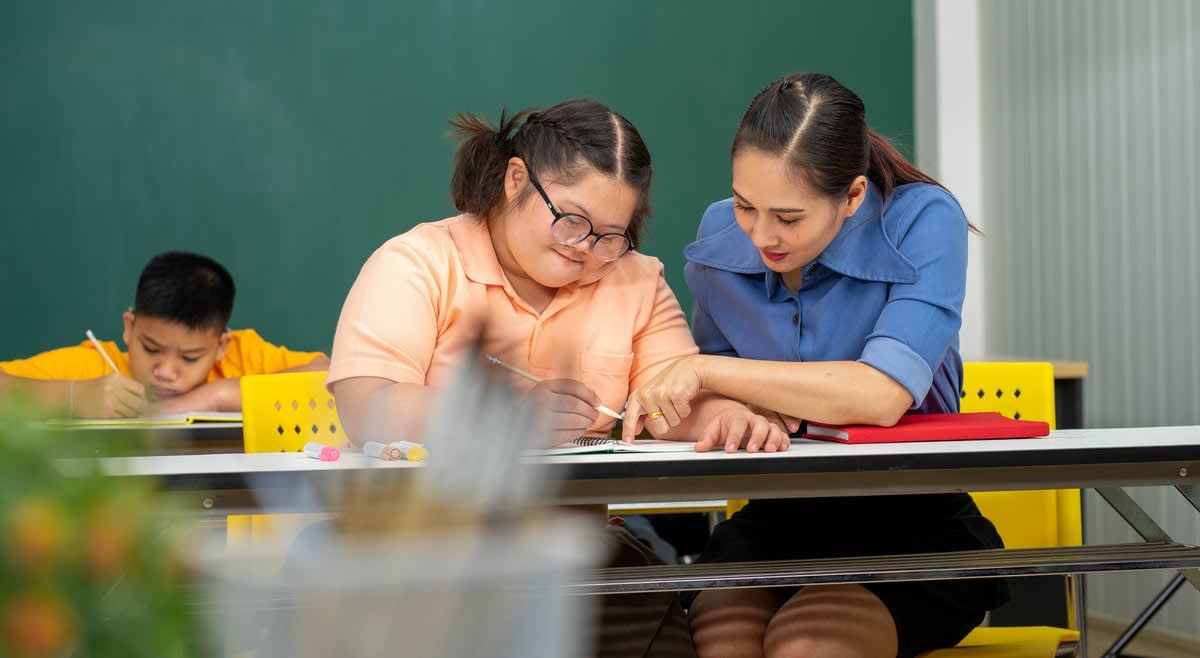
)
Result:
{"points": [[421, 298]]}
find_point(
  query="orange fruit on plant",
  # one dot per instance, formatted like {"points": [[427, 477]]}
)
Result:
{"points": [[37, 531], [109, 540], [38, 624]]}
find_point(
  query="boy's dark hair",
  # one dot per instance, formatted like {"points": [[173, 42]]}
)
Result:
{"points": [[561, 144], [189, 289]]}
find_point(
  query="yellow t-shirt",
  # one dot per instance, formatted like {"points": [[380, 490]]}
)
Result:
{"points": [[246, 354]]}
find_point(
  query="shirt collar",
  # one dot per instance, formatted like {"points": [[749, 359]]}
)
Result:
{"points": [[860, 250], [474, 242]]}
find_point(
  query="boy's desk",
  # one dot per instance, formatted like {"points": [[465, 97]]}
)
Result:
{"points": [[180, 439], [1101, 459]]}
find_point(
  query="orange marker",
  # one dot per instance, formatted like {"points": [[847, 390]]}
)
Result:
{"points": [[382, 451]]}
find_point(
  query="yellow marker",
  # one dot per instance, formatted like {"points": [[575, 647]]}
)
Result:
{"points": [[413, 452]]}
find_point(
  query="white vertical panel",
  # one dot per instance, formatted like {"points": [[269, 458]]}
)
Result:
{"points": [[1091, 173]]}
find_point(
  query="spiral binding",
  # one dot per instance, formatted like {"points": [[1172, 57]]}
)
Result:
{"points": [[591, 440]]}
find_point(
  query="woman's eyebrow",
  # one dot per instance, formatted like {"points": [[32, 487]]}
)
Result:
{"points": [[781, 210]]}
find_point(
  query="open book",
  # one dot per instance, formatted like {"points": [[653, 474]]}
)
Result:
{"points": [[187, 418], [596, 444]]}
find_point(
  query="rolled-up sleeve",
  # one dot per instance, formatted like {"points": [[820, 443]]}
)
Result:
{"points": [[921, 319]]}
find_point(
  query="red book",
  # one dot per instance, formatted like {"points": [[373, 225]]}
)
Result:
{"points": [[932, 427]]}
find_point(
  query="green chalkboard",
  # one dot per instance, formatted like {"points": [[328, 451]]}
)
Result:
{"points": [[289, 138]]}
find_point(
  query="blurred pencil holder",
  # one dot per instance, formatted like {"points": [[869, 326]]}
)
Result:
{"points": [[491, 592]]}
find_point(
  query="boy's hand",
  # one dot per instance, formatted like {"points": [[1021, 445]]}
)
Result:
{"points": [[568, 405], [111, 396], [221, 395]]}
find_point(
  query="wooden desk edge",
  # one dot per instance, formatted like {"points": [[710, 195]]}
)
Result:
{"points": [[1062, 369]]}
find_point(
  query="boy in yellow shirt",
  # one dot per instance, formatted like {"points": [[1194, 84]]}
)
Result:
{"points": [[182, 357]]}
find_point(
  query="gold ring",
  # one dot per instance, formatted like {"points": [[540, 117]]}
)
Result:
{"points": [[654, 415]]}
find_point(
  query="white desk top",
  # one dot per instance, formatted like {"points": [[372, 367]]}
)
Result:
{"points": [[1068, 458], [1101, 441]]}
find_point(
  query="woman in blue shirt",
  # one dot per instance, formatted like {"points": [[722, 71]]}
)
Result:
{"points": [[836, 275]]}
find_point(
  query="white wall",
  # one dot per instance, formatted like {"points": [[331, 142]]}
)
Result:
{"points": [[1068, 129], [947, 117]]}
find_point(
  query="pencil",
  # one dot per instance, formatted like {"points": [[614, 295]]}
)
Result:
{"points": [[537, 380], [99, 348]]}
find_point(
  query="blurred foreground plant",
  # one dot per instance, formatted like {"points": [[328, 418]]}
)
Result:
{"points": [[89, 565]]}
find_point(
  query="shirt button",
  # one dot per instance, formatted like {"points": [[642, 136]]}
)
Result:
{"points": [[795, 318]]}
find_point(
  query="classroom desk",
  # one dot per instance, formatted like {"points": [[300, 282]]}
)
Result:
{"points": [[1102, 459], [1068, 392], [176, 439], [1097, 458]]}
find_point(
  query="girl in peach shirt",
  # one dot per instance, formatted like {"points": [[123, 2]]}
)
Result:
{"points": [[544, 255]]}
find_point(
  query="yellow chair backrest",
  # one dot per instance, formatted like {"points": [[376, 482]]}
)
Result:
{"points": [[1025, 519], [280, 413], [283, 411]]}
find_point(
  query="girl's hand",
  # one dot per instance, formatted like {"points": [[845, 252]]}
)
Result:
{"points": [[664, 401], [568, 406]]}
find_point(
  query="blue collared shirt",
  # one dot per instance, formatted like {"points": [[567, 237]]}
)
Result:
{"points": [[887, 292]]}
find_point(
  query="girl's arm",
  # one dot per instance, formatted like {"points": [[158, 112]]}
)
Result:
{"points": [[377, 409]]}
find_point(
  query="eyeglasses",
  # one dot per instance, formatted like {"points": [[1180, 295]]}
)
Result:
{"points": [[570, 229]]}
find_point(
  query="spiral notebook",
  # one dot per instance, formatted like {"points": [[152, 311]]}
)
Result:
{"points": [[601, 444]]}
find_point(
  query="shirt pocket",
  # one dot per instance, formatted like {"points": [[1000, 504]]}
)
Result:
{"points": [[607, 373]]}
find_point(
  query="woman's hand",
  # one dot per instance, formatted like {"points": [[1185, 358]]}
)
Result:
{"points": [[567, 405], [789, 424], [664, 401], [738, 427]]}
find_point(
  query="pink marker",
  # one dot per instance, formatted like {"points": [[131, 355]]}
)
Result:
{"points": [[321, 451]]}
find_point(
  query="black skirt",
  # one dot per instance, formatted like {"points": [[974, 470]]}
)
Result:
{"points": [[928, 614]]}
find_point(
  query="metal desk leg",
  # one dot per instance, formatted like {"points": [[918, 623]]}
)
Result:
{"points": [[1141, 522], [1144, 617]]}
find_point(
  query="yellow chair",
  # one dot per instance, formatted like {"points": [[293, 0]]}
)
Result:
{"points": [[1025, 519], [281, 413], [284, 411]]}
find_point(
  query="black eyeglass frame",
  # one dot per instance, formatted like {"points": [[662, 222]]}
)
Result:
{"points": [[559, 216]]}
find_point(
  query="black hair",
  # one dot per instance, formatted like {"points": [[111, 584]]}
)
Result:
{"points": [[190, 289], [562, 143], [820, 126]]}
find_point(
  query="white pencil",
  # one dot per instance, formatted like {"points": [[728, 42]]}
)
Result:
{"points": [[100, 348], [537, 380]]}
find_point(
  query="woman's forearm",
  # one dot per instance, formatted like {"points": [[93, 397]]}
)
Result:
{"points": [[841, 392]]}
